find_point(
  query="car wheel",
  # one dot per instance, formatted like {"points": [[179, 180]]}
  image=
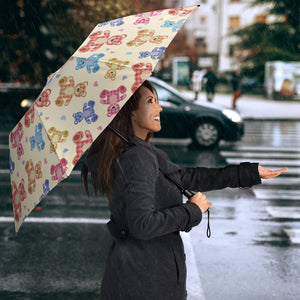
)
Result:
{"points": [[206, 134]]}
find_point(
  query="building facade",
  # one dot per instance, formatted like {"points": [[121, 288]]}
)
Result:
{"points": [[212, 26]]}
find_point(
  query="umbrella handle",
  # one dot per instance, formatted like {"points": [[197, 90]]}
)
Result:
{"points": [[190, 194]]}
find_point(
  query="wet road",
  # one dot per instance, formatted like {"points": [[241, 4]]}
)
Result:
{"points": [[253, 252]]}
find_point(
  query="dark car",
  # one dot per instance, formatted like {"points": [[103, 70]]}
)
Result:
{"points": [[205, 124]]}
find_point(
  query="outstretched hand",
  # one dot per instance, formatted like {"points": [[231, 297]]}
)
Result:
{"points": [[267, 174]]}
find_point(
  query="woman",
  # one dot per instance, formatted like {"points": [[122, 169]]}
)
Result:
{"points": [[147, 260]]}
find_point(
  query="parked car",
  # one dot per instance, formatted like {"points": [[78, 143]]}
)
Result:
{"points": [[205, 124]]}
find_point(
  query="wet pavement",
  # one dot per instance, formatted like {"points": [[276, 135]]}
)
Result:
{"points": [[249, 255]]}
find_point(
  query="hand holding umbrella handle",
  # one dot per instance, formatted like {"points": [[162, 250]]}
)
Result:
{"points": [[189, 194]]}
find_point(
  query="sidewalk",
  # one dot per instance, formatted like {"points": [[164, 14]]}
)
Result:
{"points": [[256, 107]]}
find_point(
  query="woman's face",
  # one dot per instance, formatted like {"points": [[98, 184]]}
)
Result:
{"points": [[146, 119]]}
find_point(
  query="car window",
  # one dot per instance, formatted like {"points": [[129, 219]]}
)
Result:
{"points": [[167, 98]]}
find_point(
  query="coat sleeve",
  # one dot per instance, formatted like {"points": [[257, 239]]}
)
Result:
{"points": [[143, 220], [243, 175], [208, 179]]}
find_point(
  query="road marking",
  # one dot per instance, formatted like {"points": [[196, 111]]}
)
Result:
{"points": [[294, 235], [58, 220], [266, 149], [282, 212], [268, 162], [265, 194], [273, 155], [193, 282]]}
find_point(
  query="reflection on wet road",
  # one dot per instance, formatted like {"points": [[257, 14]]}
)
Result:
{"points": [[253, 252]]}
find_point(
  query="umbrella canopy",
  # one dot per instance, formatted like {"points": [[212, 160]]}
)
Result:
{"points": [[81, 99]]}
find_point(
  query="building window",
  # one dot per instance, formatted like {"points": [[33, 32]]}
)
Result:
{"points": [[260, 19], [234, 22]]}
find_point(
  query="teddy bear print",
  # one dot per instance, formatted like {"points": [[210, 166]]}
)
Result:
{"points": [[56, 136], [114, 64], [46, 189], [43, 99], [171, 24], [113, 23], [33, 173], [142, 72], [156, 53], [68, 90], [88, 113], [99, 38], [144, 36], [16, 138], [90, 63], [112, 98], [29, 117], [81, 144], [37, 139], [180, 11], [144, 18], [11, 164], [58, 171], [18, 196]]}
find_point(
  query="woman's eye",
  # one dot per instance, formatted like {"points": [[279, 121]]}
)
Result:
{"points": [[150, 100]]}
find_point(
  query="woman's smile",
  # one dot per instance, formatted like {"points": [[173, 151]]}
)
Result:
{"points": [[146, 118]]}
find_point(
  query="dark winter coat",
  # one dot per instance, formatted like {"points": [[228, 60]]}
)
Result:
{"points": [[147, 260]]}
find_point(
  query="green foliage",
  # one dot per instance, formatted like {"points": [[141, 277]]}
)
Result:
{"points": [[271, 41], [38, 36]]}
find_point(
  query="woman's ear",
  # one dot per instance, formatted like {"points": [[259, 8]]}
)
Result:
{"points": [[132, 115]]}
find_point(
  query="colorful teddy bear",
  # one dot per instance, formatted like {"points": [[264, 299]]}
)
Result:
{"points": [[58, 171], [144, 18], [33, 173], [29, 117], [88, 113], [37, 139], [112, 98], [46, 189], [156, 53], [68, 90], [81, 145], [56, 136], [171, 24], [114, 64], [18, 196], [16, 138], [90, 63], [43, 99], [144, 36], [142, 72], [99, 38]]}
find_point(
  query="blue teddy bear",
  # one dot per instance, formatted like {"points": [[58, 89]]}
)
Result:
{"points": [[88, 113], [156, 53], [37, 140], [90, 63]]}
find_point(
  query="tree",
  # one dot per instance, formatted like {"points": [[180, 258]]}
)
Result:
{"points": [[279, 40], [38, 36]]}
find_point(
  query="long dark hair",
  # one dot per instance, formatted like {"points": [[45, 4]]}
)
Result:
{"points": [[109, 146]]}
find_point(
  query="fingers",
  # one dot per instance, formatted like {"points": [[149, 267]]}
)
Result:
{"points": [[201, 200], [267, 174]]}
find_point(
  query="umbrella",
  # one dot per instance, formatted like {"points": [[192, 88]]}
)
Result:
{"points": [[81, 99]]}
